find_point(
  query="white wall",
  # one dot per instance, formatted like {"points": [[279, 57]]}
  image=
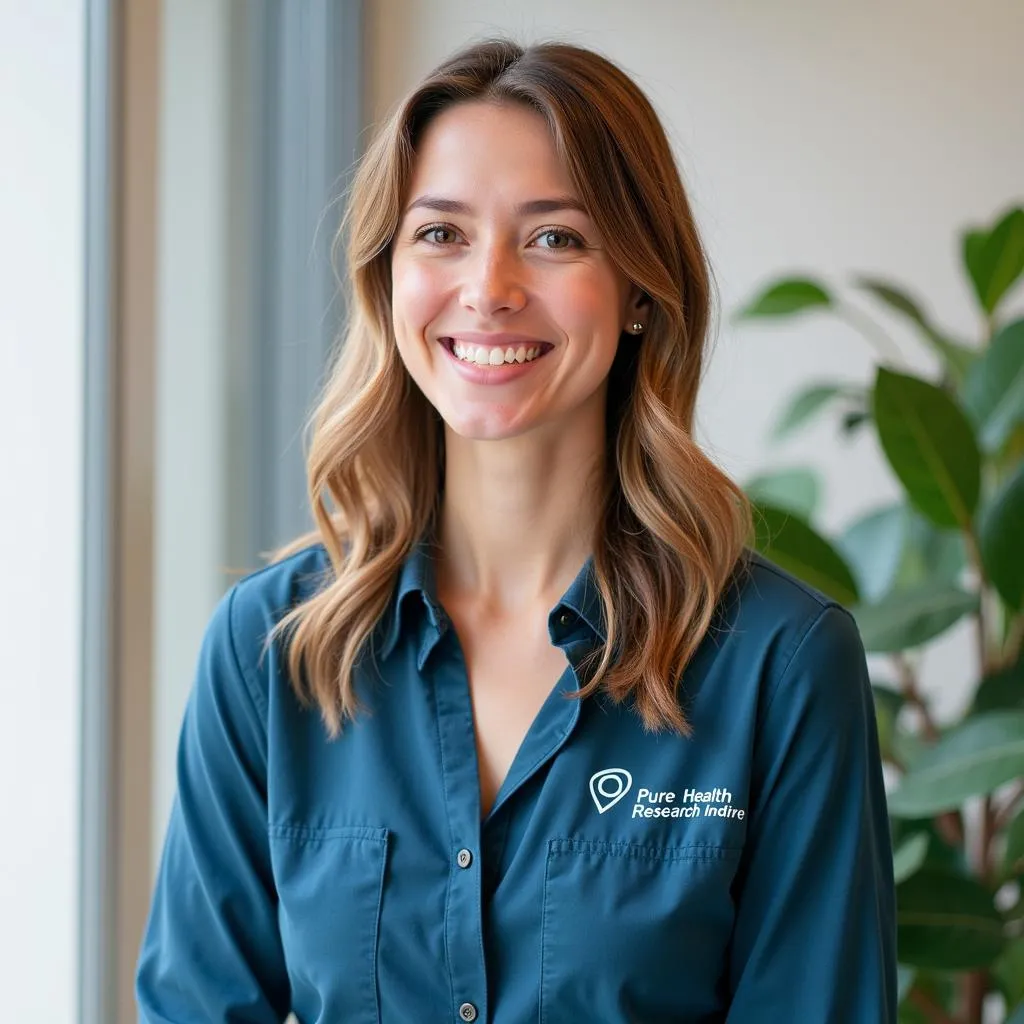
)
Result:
{"points": [[42, 47], [831, 137]]}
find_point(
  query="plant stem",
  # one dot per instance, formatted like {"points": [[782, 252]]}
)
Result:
{"points": [[1014, 643], [990, 329], [986, 833], [976, 984], [981, 631], [975, 989], [908, 687], [872, 333], [929, 1007], [950, 824]]}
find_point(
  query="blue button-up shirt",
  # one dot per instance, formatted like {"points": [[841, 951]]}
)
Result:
{"points": [[743, 874]]}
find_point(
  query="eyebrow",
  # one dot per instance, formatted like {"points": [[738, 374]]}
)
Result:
{"points": [[444, 205]]}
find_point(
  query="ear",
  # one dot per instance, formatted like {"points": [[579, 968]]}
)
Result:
{"points": [[638, 310]]}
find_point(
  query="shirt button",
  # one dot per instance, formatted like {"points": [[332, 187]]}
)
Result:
{"points": [[467, 1011], [464, 859], [564, 619]]}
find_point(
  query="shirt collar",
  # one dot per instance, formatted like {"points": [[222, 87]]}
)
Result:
{"points": [[416, 576], [582, 600]]}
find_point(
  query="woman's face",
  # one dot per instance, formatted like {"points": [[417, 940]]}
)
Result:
{"points": [[507, 308]]}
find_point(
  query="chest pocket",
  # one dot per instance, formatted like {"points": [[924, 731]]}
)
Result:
{"points": [[635, 933], [329, 884]]}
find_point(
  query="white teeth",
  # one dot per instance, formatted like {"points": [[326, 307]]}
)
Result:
{"points": [[482, 355]]}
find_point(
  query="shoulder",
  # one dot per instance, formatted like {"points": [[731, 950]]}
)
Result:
{"points": [[764, 600], [246, 615], [799, 638], [264, 596]]}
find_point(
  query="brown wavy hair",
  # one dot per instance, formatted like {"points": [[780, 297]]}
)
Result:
{"points": [[673, 527]]}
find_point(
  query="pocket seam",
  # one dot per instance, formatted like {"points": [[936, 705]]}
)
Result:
{"points": [[298, 833], [544, 928]]}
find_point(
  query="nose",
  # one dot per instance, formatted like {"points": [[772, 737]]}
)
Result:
{"points": [[493, 283]]}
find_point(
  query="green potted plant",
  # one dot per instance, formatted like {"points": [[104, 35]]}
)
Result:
{"points": [[952, 548]]}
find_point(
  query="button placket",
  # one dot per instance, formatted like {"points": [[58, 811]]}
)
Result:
{"points": [[463, 925]]}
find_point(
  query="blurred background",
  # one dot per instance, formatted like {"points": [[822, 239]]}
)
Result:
{"points": [[170, 185]]}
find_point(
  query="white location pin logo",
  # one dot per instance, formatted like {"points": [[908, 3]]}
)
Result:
{"points": [[609, 786]]}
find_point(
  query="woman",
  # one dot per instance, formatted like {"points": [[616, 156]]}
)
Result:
{"points": [[525, 732]]}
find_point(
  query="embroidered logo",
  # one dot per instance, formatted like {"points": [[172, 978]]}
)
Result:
{"points": [[609, 786]]}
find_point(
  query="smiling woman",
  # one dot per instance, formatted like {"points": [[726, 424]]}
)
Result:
{"points": [[405, 765]]}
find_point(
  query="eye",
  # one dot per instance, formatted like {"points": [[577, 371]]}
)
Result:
{"points": [[559, 238], [436, 234]]}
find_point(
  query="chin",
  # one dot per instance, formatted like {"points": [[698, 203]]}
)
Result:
{"points": [[483, 428]]}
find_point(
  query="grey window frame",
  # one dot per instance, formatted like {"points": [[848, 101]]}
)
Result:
{"points": [[303, 70]]}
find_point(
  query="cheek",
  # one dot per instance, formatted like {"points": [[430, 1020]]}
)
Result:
{"points": [[587, 305], [417, 295]]}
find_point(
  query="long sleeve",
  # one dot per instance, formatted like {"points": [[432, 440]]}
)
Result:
{"points": [[212, 950], [815, 936]]}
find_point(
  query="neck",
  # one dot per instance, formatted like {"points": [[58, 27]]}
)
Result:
{"points": [[517, 519]]}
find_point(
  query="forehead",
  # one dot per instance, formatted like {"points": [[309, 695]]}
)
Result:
{"points": [[484, 147]]}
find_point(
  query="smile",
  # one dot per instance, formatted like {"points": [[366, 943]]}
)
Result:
{"points": [[495, 355]]}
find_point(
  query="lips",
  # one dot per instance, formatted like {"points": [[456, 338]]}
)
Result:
{"points": [[499, 338]]}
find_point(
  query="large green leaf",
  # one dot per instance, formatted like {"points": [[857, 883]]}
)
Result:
{"points": [[796, 490], [957, 358], [904, 980], [972, 760], [887, 708], [1012, 451], [930, 555], [1013, 856], [946, 922], [1001, 539], [994, 394], [806, 404], [930, 446], [1001, 691], [873, 547], [995, 258], [910, 618], [792, 544], [907, 745], [1008, 973], [786, 297], [909, 856], [941, 856]]}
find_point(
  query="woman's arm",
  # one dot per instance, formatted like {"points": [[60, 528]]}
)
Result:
{"points": [[815, 936], [212, 951]]}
